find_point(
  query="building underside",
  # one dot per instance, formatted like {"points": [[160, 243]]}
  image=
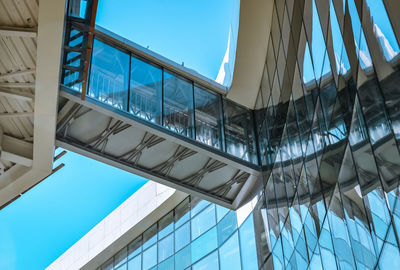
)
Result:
{"points": [[309, 129]]}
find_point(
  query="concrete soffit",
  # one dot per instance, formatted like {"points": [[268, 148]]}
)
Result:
{"points": [[252, 44], [35, 161]]}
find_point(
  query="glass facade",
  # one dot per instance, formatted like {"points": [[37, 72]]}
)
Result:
{"points": [[325, 132], [195, 235]]}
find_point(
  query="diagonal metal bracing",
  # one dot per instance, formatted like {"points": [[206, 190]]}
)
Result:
{"points": [[148, 141], [180, 154], [103, 138], [62, 123], [210, 166], [238, 178]]}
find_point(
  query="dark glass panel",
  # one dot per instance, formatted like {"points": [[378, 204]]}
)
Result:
{"points": [[109, 75], [178, 104], [145, 99], [207, 117]]}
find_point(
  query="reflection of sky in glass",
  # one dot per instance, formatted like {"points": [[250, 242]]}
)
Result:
{"points": [[383, 29], [359, 38], [342, 62], [308, 70]]}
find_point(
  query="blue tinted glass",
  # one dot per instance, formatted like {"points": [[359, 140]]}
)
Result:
{"points": [[204, 244], [167, 264], [182, 213], [207, 117], [150, 236], [226, 226], [209, 262], [229, 254], [150, 257], [166, 247], [198, 205], [135, 247], [248, 244], [166, 225], [182, 258], [178, 104], [145, 91], [221, 212], [182, 236], [135, 263], [109, 75], [203, 221], [308, 69]]}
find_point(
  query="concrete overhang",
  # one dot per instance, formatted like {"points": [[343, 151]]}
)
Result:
{"points": [[252, 44]]}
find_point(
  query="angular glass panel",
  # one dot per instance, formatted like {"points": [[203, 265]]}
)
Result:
{"points": [[165, 247], [204, 244], [209, 262], [178, 104], [229, 254], [145, 98], [203, 221], [383, 29], [198, 205], [226, 227], [167, 264], [221, 212], [248, 248], [239, 132], [207, 117]]}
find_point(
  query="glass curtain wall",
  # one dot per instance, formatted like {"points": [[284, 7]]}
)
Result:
{"points": [[327, 121], [195, 235]]}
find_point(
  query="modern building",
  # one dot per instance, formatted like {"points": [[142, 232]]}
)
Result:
{"points": [[302, 146]]}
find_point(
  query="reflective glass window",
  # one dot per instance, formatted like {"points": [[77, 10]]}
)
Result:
{"points": [[166, 225], [150, 236], [221, 212], [78, 8], [207, 117], [109, 75], [182, 259], [197, 205], [120, 258], [248, 248], [226, 227], [182, 213], [182, 236], [166, 247], [135, 263], [209, 262], [178, 104], [150, 257], [204, 244], [239, 131], [229, 254], [167, 264], [135, 247], [145, 99], [203, 221]]}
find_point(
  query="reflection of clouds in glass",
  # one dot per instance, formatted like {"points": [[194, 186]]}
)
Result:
{"points": [[364, 57], [388, 50]]}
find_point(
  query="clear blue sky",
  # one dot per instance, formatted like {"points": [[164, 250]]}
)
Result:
{"points": [[193, 32], [44, 222], [41, 225]]}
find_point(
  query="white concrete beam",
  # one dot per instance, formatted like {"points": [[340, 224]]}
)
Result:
{"points": [[49, 42], [17, 73], [17, 85], [252, 44], [16, 94], [30, 32], [17, 114]]}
